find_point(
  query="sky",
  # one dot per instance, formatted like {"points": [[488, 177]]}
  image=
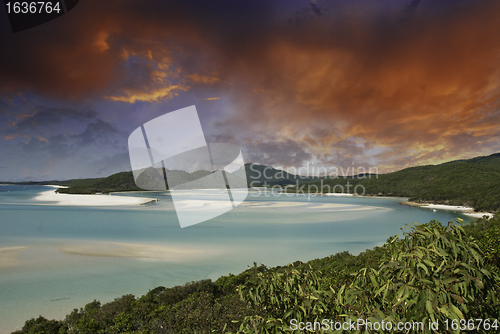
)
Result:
{"points": [[342, 83]]}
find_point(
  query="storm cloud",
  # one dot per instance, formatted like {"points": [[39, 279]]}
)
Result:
{"points": [[387, 83]]}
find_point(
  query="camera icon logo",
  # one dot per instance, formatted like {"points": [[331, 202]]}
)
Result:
{"points": [[170, 153]]}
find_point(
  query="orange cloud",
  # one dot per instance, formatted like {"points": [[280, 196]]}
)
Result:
{"points": [[101, 43], [203, 79], [424, 91], [12, 136], [150, 96]]}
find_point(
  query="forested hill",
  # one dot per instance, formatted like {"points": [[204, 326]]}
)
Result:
{"points": [[262, 175], [493, 159], [256, 176], [474, 182], [125, 182]]}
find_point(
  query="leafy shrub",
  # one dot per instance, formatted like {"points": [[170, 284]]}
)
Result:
{"points": [[433, 274]]}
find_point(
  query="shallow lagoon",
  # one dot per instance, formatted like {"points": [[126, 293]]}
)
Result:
{"points": [[273, 230]]}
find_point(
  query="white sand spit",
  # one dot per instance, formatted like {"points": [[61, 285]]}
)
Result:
{"points": [[336, 194], [466, 210], [479, 214], [90, 200]]}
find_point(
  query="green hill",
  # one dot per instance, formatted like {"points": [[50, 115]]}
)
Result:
{"points": [[150, 180], [124, 181], [117, 182], [474, 182], [260, 175]]}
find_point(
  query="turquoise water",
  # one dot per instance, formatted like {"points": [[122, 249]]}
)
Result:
{"points": [[273, 230]]}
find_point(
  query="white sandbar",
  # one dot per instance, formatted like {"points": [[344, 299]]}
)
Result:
{"points": [[336, 194], [343, 207], [90, 200], [466, 210]]}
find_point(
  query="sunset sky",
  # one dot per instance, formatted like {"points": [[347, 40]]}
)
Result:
{"points": [[384, 83]]}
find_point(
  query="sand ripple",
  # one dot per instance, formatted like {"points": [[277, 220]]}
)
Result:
{"points": [[115, 249], [9, 256]]}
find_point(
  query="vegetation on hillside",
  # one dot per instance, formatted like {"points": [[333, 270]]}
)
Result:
{"points": [[430, 273], [117, 182], [125, 182], [262, 175], [152, 179], [474, 182]]}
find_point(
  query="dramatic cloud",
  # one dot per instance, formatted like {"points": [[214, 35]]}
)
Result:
{"points": [[424, 91], [55, 143], [388, 83]]}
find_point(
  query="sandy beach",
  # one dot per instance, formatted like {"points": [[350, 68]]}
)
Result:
{"points": [[336, 194], [9, 256], [128, 250], [90, 200], [463, 209]]}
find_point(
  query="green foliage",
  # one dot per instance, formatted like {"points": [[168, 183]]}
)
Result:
{"points": [[337, 269], [432, 274], [197, 307], [487, 233], [281, 296], [41, 326]]}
